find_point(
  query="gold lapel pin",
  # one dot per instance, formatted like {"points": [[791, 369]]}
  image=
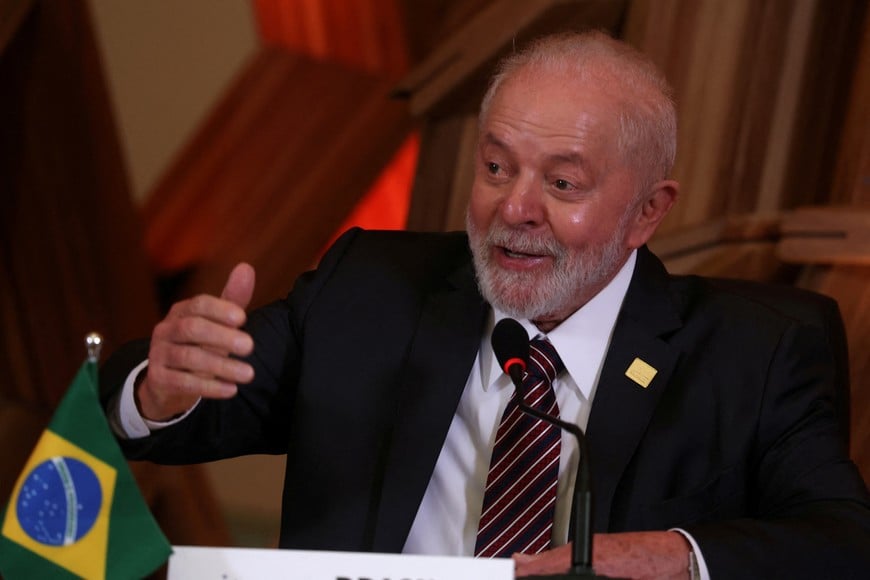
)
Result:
{"points": [[640, 372]]}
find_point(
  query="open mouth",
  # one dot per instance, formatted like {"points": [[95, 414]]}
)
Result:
{"points": [[520, 255]]}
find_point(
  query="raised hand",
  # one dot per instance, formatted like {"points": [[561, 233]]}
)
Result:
{"points": [[190, 350]]}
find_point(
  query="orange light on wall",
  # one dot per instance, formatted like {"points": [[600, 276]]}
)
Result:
{"points": [[386, 205], [363, 34]]}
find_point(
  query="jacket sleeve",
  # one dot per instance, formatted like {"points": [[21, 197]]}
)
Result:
{"points": [[255, 420], [809, 506]]}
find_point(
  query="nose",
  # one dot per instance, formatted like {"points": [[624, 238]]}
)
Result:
{"points": [[523, 206]]}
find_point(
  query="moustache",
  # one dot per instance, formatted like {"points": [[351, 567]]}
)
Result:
{"points": [[523, 242]]}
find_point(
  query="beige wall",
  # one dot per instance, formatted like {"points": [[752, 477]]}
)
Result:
{"points": [[166, 62]]}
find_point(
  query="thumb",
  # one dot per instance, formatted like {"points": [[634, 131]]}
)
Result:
{"points": [[240, 285]]}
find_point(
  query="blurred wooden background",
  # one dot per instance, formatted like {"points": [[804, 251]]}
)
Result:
{"points": [[774, 160]]}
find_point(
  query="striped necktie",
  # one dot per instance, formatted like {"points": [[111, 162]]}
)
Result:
{"points": [[520, 496]]}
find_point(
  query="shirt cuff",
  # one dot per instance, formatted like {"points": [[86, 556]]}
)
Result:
{"points": [[125, 418], [702, 565]]}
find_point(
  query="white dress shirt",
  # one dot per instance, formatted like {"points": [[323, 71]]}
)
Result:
{"points": [[458, 482]]}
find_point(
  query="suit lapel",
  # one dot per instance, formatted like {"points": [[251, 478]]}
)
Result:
{"points": [[438, 365], [622, 407]]}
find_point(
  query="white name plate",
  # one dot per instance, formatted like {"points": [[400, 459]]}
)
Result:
{"points": [[252, 563]]}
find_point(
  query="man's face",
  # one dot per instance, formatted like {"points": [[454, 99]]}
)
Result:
{"points": [[551, 216]]}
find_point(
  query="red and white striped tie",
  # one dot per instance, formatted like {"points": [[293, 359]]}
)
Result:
{"points": [[520, 496]]}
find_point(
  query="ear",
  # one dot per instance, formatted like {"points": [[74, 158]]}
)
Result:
{"points": [[656, 204]]}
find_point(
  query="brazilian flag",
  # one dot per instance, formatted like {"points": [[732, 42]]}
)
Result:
{"points": [[76, 509]]}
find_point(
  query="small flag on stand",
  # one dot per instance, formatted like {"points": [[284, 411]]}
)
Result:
{"points": [[76, 509]]}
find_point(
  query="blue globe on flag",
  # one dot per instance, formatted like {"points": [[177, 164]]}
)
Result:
{"points": [[59, 520], [59, 501]]}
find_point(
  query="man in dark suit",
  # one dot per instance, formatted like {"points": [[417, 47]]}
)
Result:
{"points": [[709, 410]]}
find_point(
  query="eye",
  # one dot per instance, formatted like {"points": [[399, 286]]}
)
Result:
{"points": [[493, 168], [562, 185]]}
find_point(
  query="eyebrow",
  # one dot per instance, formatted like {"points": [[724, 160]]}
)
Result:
{"points": [[572, 157], [491, 139], [568, 157]]}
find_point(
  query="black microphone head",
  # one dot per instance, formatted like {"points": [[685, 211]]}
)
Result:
{"points": [[510, 343]]}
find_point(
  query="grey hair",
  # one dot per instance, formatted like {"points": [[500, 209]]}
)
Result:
{"points": [[647, 116]]}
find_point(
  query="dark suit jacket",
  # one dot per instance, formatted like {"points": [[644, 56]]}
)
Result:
{"points": [[360, 369]]}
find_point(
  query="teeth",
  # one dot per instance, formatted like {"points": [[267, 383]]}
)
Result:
{"points": [[512, 254]]}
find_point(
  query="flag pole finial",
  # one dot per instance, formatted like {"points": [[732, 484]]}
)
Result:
{"points": [[94, 343]]}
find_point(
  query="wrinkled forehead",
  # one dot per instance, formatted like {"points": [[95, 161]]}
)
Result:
{"points": [[570, 86], [547, 102]]}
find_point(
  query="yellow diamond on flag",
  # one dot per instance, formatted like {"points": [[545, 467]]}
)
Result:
{"points": [[61, 505]]}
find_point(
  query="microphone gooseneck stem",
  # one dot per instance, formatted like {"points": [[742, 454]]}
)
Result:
{"points": [[581, 506]]}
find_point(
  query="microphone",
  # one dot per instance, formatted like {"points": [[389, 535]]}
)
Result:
{"points": [[510, 343]]}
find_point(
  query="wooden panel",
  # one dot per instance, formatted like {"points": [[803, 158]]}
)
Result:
{"points": [[69, 236], [724, 231], [366, 34], [455, 74], [760, 89], [429, 22], [832, 53], [765, 189], [826, 235], [12, 13], [746, 261], [440, 197], [698, 45], [436, 166], [70, 254], [463, 178], [733, 247], [275, 169], [851, 183]]}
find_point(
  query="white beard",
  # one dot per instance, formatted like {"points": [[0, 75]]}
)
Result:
{"points": [[540, 295]]}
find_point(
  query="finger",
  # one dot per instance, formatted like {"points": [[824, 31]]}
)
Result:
{"points": [[240, 285], [198, 331], [555, 561], [210, 307], [523, 565], [207, 363], [176, 383]]}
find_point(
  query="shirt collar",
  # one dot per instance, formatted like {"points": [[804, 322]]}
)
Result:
{"points": [[581, 340]]}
